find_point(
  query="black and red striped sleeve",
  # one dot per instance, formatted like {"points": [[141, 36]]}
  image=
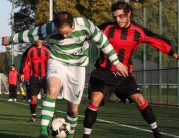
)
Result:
{"points": [[155, 40], [23, 60]]}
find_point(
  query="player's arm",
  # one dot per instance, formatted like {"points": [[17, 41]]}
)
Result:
{"points": [[24, 62], [159, 42], [102, 42], [155, 40], [30, 35]]}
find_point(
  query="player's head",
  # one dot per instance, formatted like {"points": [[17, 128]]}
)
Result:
{"points": [[122, 13], [12, 67], [64, 23], [39, 43]]}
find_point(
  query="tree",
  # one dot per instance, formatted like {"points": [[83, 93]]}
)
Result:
{"points": [[97, 11], [24, 17], [4, 56]]}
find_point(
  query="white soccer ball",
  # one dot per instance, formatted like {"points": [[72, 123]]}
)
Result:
{"points": [[59, 128]]}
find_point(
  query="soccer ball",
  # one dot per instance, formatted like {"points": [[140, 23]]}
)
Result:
{"points": [[59, 128]]}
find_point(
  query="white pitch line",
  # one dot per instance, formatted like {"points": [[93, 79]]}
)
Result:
{"points": [[105, 121]]}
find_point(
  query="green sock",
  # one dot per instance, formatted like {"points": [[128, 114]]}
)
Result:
{"points": [[70, 136], [73, 120], [47, 111]]}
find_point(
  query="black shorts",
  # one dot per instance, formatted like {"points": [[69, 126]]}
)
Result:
{"points": [[36, 84], [108, 82]]}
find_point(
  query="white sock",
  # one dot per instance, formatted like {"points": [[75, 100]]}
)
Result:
{"points": [[153, 125], [87, 131]]}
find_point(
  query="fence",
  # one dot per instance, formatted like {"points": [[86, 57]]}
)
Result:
{"points": [[160, 87], [156, 73]]}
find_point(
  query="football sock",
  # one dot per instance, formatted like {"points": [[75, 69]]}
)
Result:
{"points": [[147, 113], [90, 119], [149, 117], [47, 111], [73, 120], [33, 106]]}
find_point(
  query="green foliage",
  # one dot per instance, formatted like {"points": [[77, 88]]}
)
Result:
{"points": [[4, 56], [41, 12], [24, 16], [97, 11]]}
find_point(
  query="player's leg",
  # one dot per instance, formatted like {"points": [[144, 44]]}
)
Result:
{"points": [[72, 117], [15, 92], [128, 86], [34, 90], [73, 91], [146, 112], [55, 77], [10, 93], [48, 104], [97, 88], [91, 113]]}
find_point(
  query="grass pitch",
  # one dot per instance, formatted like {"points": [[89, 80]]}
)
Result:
{"points": [[115, 120]]}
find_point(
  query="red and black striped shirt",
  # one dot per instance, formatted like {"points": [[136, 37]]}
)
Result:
{"points": [[126, 40], [37, 57]]}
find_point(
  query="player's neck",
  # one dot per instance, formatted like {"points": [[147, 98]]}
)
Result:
{"points": [[39, 46]]}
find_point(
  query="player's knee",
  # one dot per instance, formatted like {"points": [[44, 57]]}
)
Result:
{"points": [[96, 98], [141, 100], [74, 112], [52, 92], [138, 99]]}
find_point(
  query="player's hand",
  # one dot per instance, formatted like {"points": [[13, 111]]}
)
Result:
{"points": [[22, 77], [176, 56], [5, 41], [121, 69]]}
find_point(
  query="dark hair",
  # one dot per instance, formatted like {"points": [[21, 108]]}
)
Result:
{"points": [[13, 65], [63, 18], [122, 5]]}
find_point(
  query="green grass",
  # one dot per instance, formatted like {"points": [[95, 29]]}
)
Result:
{"points": [[14, 118]]}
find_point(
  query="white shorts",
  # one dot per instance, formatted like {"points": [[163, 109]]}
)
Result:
{"points": [[72, 79]]}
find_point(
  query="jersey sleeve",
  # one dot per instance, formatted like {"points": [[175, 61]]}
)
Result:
{"points": [[24, 60], [33, 34], [102, 41], [159, 42]]}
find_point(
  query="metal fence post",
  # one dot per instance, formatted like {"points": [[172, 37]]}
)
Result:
{"points": [[144, 55], [160, 55]]}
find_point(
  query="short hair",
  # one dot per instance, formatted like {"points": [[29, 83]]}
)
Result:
{"points": [[122, 5], [13, 65], [63, 18]]}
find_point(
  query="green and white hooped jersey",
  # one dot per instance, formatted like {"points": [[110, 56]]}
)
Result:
{"points": [[73, 50]]}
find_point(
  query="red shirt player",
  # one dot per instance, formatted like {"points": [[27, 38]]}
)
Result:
{"points": [[37, 56], [125, 36], [12, 80]]}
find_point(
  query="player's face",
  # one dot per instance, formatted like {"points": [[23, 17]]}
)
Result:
{"points": [[66, 30], [38, 43], [122, 19]]}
